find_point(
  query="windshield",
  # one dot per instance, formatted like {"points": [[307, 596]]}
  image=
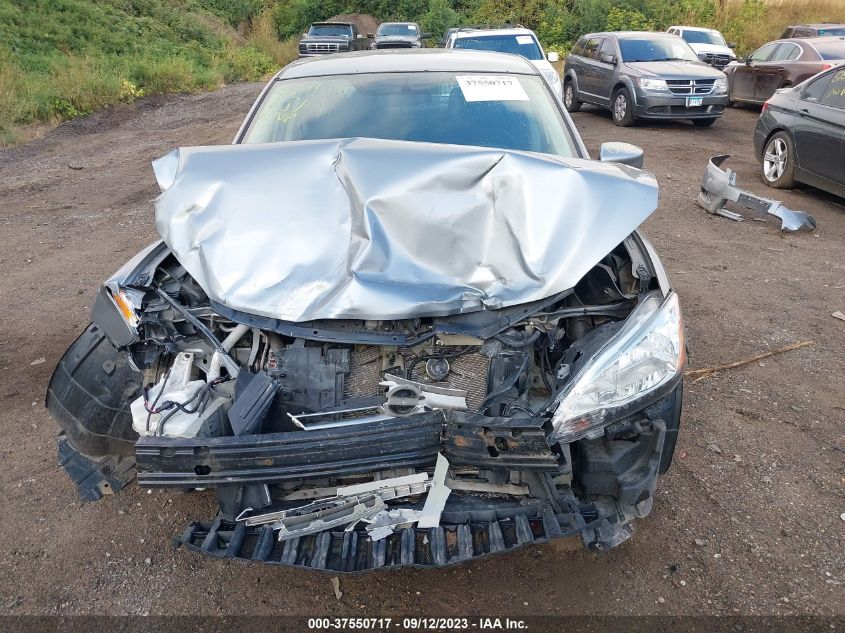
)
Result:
{"points": [[330, 30], [392, 30], [502, 111], [524, 45], [833, 31], [703, 37], [656, 50], [831, 50]]}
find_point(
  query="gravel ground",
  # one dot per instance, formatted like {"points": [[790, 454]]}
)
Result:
{"points": [[747, 520]]}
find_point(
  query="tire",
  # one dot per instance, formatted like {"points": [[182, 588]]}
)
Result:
{"points": [[703, 122], [777, 166], [622, 108], [570, 101]]}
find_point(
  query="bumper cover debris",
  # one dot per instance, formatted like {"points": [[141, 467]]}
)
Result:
{"points": [[719, 186]]}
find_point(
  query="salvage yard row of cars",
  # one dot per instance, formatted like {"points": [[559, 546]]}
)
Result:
{"points": [[406, 339]]}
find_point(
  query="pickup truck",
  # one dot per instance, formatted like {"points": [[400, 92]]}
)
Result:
{"points": [[330, 37]]}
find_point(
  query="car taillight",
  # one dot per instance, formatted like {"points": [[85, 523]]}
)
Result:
{"points": [[765, 107], [826, 67]]}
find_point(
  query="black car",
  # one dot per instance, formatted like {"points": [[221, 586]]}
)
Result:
{"points": [[398, 35], [641, 75], [800, 135]]}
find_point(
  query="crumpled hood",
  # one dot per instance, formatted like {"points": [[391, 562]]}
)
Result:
{"points": [[374, 229]]}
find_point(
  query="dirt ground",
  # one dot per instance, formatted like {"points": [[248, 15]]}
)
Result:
{"points": [[746, 521]]}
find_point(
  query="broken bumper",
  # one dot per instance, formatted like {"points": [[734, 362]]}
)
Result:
{"points": [[617, 479], [718, 187]]}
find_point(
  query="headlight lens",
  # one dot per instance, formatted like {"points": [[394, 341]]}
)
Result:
{"points": [[128, 304], [720, 86], [552, 77], [417, 44], [653, 84], [646, 354]]}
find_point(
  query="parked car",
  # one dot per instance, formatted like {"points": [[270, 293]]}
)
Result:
{"points": [[405, 267], [642, 75], [324, 38], [708, 44], [812, 30], [800, 135], [398, 35], [781, 64], [514, 40]]}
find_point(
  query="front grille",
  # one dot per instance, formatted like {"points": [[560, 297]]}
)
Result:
{"points": [[322, 48], [690, 86], [384, 45], [467, 372], [683, 110], [717, 60]]}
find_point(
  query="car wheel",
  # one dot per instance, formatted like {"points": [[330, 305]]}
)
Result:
{"points": [[622, 108], [569, 100], [703, 122], [778, 164]]}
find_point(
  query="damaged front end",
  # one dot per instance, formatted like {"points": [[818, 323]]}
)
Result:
{"points": [[356, 443]]}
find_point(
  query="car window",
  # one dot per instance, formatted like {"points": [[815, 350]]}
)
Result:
{"points": [[607, 48], [816, 89], [762, 53], [833, 31], [703, 37], [835, 94], [656, 49], [524, 45], [831, 50], [329, 30], [402, 30], [786, 52], [578, 49], [591, 47], [510, 112]]}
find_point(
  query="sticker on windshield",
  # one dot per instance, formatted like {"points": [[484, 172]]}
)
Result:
{"points": [[412, 28], [524, 39], [491, 88]]}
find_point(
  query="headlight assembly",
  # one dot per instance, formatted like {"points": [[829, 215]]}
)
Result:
{"points": [[720, 86], [658, 85], [128, 304], [646, 355]]}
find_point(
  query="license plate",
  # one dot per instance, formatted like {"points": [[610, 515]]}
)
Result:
{"points": [[694, 102]]}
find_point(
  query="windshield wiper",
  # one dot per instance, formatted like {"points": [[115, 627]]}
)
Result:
{"points": [[671, 59]]}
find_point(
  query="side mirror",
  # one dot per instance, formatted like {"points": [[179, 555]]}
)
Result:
{"points": [[360, 37], [370, 35], [623, 153], [425, 36], [553, 57], [748, 61], [305, 35], [607, 58], [731, 44]]}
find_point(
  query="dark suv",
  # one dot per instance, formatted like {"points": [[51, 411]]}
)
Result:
{"points": [[643, 75], [813, 30], [324, 38], [398, 35]]}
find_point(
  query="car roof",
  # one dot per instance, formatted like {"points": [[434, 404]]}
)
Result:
{"points": [[818, 25], [624, 35], [474, 32], [397, 61], [822, 39], [694, 28], [395, 23]]}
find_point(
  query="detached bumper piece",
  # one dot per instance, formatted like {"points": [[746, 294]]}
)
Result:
{"points": [[95, 476], [719, 187], [353, 551]]}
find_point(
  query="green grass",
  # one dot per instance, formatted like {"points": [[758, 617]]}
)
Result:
{"points": [[65, 58]]}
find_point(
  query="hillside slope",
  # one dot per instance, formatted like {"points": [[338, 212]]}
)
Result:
{"points": [[63, 58]]}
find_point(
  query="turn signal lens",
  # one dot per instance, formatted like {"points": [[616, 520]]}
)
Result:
{"points": [[125, 307]]}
